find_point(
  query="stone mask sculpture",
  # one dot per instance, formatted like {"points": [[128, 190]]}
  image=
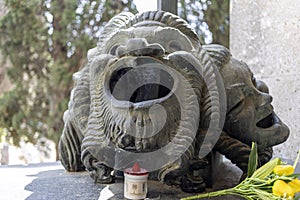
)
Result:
{"points": [[250, 115], [151, 93]]}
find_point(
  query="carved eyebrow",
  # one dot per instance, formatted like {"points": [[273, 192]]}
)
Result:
{"points": [[235, 85]]}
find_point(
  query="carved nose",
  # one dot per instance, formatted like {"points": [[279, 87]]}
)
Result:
{"points": [[265, 99], [140, 47]]}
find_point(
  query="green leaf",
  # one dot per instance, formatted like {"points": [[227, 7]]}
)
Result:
{"points": [[252, 163], [266, 169]]}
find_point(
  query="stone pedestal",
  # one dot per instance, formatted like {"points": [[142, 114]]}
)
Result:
{"points": [[265, 34]]}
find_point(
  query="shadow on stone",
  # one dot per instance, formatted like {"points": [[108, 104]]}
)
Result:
{"points": [[58, 184]]}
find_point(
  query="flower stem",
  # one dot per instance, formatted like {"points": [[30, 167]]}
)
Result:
{"points": [[296, 161], [211, 194]]}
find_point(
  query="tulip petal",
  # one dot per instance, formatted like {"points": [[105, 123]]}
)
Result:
{"points": [[282, 189], [284, 170], [295, 184]]}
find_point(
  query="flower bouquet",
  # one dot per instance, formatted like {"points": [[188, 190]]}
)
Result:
{"points": [[274, 180]]}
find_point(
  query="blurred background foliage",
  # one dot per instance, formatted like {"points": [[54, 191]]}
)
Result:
{"points": [[209, 18], [43, 42]]}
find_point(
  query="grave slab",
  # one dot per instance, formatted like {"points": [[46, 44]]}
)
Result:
{"points": [[51, 181]]}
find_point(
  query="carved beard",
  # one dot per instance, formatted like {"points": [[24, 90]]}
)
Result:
{"points": [[112, 125]]}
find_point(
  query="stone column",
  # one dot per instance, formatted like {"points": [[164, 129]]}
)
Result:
{"points": [[167, 5], [266, 35]]}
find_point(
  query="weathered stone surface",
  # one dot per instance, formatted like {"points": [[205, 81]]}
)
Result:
{"points": [[265, 34]]}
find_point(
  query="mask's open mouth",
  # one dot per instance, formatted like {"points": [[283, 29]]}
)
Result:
{"points": [[133, 83], [268, 121], [142, 83], [149, 91]]}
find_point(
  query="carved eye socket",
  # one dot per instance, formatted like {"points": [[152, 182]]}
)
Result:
{"points": [[237, 107], [113, 49]]}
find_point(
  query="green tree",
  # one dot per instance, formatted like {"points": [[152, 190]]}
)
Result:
{"points": [[46, 42], [209, 18]]}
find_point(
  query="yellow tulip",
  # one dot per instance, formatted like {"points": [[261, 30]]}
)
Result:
{"points": [[284, 170], [282, 189], [295, 184]]}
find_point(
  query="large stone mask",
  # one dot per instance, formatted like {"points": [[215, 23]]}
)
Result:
{"points": [[151, 93]]}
